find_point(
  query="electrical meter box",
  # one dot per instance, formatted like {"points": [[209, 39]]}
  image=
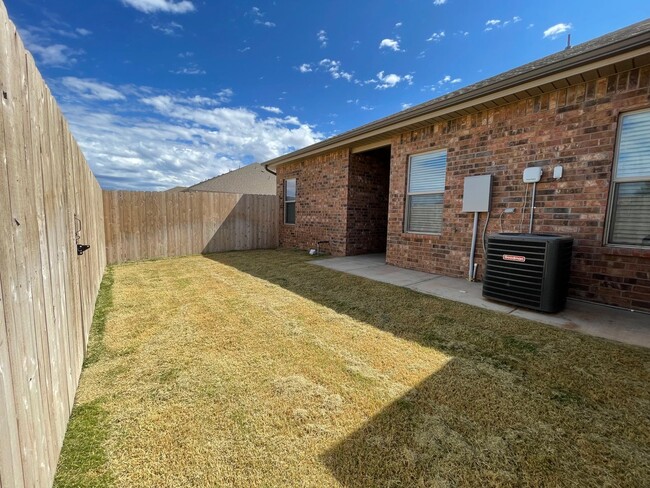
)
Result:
{"points": [[532, 175], [477, 193]]}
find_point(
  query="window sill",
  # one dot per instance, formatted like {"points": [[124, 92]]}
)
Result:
{"points": [[637, 252], [422, 234]]}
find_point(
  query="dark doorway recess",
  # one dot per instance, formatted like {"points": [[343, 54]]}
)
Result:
{"points": [[368, 201]]}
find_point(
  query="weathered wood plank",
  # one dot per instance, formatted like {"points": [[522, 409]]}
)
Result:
{"points": [[11, 459], [40, 271], [21, 337], [54, 233]]}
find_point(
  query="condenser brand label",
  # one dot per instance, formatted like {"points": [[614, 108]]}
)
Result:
{"points": [[516, 259]]}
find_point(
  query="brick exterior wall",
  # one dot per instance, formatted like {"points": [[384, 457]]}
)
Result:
{"points": [[321, 202], [367, 220], [574, 127]]}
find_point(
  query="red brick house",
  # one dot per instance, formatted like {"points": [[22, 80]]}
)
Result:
{"points": [[396, 184]]}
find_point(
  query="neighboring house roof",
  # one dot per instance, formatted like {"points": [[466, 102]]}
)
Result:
{"points": [[250, 179], [625, 49], [175, 189]]}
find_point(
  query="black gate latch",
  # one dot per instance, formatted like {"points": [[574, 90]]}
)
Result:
{"points": [[81, 248]]}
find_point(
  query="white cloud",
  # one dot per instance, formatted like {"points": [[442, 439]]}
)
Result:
{"points": [[321, 35], [436, 36], [155, 141], [168, 6], [389, 44], [398, 25], [258, 16], [273, 110], [367, 108], [447, 80], [439, 2], [170, 29], [83, 32], [191, 69], [554, 31], [371, 81], [499, 24], [219, 98], [391, 80], [92, 89], [224, 95], [406, 105], [199, 100], [305, 68], [47, 52], [54, 55], [333, 67]]}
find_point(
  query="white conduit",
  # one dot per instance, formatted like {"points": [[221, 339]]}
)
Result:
{"points": [[472, 268]]}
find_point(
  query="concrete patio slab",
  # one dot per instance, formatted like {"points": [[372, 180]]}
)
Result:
{"points": [[394, 275], [353, 262], [589, 318], [460, 291]]}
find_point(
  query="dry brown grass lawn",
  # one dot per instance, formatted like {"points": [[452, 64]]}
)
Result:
{"points": [[259, 369]]}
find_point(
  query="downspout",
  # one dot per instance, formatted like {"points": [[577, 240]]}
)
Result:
{"points": [[267, 169]]}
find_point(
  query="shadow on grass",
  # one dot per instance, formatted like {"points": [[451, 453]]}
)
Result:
{"points": [[520, 403]]}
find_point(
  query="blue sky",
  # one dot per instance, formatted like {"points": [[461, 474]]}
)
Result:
{"points": [[162, 93]]}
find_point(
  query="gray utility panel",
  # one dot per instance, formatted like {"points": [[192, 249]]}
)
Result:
{"points": [[477, 193]]}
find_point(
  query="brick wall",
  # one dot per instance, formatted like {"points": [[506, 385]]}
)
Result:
{"points": [[574, 127], [321, 202], [367, 211]]}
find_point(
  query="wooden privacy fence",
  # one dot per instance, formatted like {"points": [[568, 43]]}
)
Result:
{"points": [[47, 292], [144, 225]]}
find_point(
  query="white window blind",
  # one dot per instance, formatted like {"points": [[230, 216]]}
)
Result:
{"points": [[425, 193], [630, 213]]}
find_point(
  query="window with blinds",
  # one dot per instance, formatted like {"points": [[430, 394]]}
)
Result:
{"points": [[290, 201], [629, 223], [425, 192]]}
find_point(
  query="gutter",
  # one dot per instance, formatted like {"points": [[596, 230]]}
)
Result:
{"points": [[582, 61]]}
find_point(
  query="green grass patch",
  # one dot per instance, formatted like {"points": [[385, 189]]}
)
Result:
{"points": [[103, 305], [83, 460]]}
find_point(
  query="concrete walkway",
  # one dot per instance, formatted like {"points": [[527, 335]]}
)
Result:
{"points": [[596, 320]]}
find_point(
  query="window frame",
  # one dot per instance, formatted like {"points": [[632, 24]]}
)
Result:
{"points": [[611, 204], [286, 201], [408, 194]]}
